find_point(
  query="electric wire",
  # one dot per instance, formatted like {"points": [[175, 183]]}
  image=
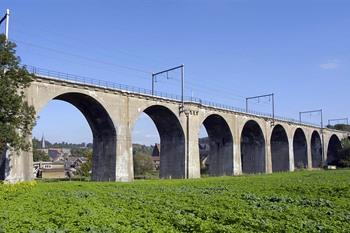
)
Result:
{"points": [[83, 57], [192, 85]]}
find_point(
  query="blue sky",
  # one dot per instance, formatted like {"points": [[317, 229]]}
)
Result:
{"points": [[298, 50]]}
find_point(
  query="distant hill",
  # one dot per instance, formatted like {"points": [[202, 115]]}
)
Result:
{"points": [[137, 148], [343, 127], [37, 144]]}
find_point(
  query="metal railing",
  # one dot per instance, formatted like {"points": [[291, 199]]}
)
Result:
{"points": [[49, 74]]}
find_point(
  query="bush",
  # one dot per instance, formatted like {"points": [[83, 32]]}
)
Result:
{"points": [[343, 159], [39, 155], [143, 164], [85, 168]]}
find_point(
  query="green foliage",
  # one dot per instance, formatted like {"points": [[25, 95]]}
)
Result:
{"points": [[37, 145], [315, 201], [143, 164], [343, 158], [345, 143], [142, 149], [342, 127], [81, 152], [16, 116], [86, 167], [69, 145], [39, 155], [343, 155]]}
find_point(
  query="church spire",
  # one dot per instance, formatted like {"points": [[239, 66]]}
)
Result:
{"points": [[43, 146]]}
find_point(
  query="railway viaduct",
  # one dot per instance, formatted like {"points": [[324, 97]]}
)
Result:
{"points": [[240, 142]]}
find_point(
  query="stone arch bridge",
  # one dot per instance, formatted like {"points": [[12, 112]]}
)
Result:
{"points": [[239, 142]]}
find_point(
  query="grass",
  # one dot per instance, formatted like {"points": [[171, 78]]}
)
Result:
{"points": [[307, 201]]}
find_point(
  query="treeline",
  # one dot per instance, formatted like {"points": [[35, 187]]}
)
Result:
{"points": [[79, 147], [343, 158], [343, 127], [37, 144], [142, 156], [39, 155], [142, 149]]}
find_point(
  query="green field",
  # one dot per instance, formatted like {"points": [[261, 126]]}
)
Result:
{"points": [[308, 201]]}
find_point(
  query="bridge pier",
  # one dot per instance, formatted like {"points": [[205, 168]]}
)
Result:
{"points": [[309, 158], [192, 148], [124, 170], [237, 160], [268, 155], [16, 166], [291, 153], [104, 158]]}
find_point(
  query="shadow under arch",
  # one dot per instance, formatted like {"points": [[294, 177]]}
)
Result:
{"points": [[172, 141], [316, 150], [103, 132], [300, 149], [252, 148], [220, 158], [279, 149], [334, 146]]}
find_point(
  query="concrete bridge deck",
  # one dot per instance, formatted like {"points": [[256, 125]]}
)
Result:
{"points": [[240, 142]]}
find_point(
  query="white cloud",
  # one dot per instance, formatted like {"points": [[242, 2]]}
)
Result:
{"points": [[151, 136], [136, 132], [330, 65]]}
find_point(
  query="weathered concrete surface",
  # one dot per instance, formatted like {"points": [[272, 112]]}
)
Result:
{"points": [[16, 166], [239, 142]]}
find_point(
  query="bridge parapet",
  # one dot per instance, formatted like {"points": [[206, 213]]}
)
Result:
{"points": [[146, 93]]}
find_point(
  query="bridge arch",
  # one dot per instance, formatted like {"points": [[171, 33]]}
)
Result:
{"points": [[300, 149], [172, 140], [252, 148], [103, 132], [316, 150], [220, 140], [279, 149], [334, 145]]}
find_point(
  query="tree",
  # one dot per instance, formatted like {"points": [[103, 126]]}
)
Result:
{"points": [[343, 127], [141, 149], [39, 155], [86, 167], [81, 152], [343, 159], [16, 116], [142, 164]]}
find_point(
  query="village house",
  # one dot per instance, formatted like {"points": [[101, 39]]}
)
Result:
{"points": [[156, 156]]}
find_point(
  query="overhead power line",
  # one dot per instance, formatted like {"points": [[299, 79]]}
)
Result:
{"points": [[80, 40], [83, 57]]}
